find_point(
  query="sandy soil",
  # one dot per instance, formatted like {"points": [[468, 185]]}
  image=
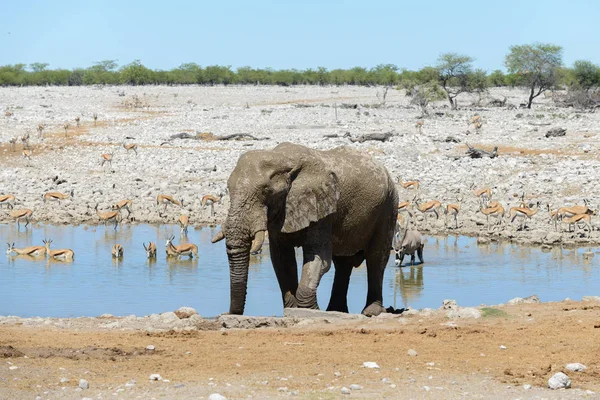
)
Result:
{"points": [[459, 358]]}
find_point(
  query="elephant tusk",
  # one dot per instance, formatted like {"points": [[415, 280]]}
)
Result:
{"points": [[259, 239], [218, 237]]}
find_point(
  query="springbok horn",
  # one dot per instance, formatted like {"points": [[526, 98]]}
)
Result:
{"points": [[218, 237], [258, 241]]}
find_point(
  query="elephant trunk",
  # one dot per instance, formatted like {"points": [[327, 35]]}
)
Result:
{"points": [[238, 272]]}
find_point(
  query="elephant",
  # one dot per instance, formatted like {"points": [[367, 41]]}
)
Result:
{"points": [[339, 205]]}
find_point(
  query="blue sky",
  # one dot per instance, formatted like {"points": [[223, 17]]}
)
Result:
{"points": [[290, 34]]}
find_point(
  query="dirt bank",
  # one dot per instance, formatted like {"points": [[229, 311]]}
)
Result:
{"points": [[491, 357]]}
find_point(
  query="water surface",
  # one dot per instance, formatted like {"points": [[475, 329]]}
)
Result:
{"points": [[94, 284]]}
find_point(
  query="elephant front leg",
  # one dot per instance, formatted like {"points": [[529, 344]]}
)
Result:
{"points": [[286, 270], [317, 261]]}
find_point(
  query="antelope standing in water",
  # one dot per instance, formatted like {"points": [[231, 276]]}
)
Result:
{"points": [[108, 216], [188, 249], [57, 196], [22, 214], [209, 199], [150, 249], [117, 251], [32, 251], [184, 221], [61, 254]]}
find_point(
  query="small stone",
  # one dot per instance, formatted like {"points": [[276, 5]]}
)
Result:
{"points": [[559, 381], [576, 367], [427, 388], [345, 390], [337, 374], [217, 396], [131, 383], [385, 380], [83, 384], [430, 364], [526, 387], [282, 389], [185, 312], [449, 305], [13, 367], [393, 386], [502, 347], [63, 380], [412, 353], [355, 387], [370, 364], [155, 377], [150, 347]]}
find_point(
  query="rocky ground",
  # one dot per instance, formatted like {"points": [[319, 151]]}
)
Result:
{"points": [[557, 171], [496, 352]]}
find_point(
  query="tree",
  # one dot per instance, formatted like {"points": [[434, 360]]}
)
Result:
{"points": [[38, 67], [536, 65], [454, 72], [497, 78], [587, 74]]}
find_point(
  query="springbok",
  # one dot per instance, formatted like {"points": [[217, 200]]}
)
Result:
{"points": [[108, 216], [66, 128], [209, 199], [522, 212], [484, 195], [419, 125], [117, 251], [61, 254], [27, 153], [453, 210], [8, 199], [184, 221], [22, 214], [409, 184], [129, 147], [123, 205], [188, 249], [431, 207], [497, 212], [32, 251], [77, 120], [12, 143], [576, 219], [106, 158], [166, 200], [57, 196], [150, 249]]}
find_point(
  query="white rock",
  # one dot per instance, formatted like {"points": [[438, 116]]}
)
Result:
{"points": [[590, 298], [217, 396], [427, 388], [83, 384], [576, 367], [354, 386], [345, 390], [337, 374], [526, 387], [412, 353], [150, 347], [559, 381], [13, 367], [502, 347], [155, 377], [63, 380], [370, 364], [185, 312], [449, 305]]}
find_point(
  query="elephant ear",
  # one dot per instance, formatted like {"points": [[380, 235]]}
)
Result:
{"points": [[313, 195]]}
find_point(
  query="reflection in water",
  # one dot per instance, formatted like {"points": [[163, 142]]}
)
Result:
{"points": [[409, 282], [95, 283]]}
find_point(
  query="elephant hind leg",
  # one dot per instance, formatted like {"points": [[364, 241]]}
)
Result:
{"points": [[341, 281], [377, 257]]}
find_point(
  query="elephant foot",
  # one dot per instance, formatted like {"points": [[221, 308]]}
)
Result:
{"points": [[289, 301], [373, 310], [306, 299], [338, 308]]}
